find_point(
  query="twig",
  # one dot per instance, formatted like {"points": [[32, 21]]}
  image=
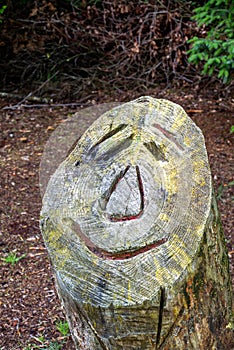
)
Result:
{"points": [[29, 98], [38, 89], [46, 105]]}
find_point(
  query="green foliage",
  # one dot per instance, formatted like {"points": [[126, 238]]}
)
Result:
{"points": [[62, 327], [44, 344], [12, 258], [2, 10], [232, 129], [216, 50], [54, 346]]}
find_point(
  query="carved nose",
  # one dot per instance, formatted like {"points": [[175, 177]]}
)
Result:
{"points": [[126, 198]]}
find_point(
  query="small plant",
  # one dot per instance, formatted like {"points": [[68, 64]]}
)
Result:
{"points": [[2, 9], [232, 129], [51, 346], [222, 188], [216, 50], [62, 327], [43, 344], [12, 258], [220, 191], [54, 346]]}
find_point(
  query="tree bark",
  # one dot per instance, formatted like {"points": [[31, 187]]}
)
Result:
{"points": [[135, 237]]}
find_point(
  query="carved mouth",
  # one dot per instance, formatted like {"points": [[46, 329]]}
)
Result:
{"points": [[104, 254]]}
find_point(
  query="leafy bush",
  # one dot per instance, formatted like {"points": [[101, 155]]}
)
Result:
{"points": [[216, 50]]}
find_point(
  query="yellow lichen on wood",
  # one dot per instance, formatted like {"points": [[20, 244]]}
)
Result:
{"points": [[198, 168], [187, 141], [180, 119], [164, 217], [171, 183], [63, 254], [176, 248], [161, 272], [129, 207]]}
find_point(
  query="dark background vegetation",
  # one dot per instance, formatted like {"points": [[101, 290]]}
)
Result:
{"points": [[60, 54], [70, 48]]}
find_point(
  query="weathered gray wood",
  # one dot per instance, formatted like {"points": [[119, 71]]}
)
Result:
{"points": [[134, 235]]}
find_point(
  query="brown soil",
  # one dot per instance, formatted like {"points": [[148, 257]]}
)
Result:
{"points": [[29, 306]]}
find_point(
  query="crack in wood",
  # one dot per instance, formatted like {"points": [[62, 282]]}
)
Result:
{"points": [[84, 318], [171, 328], [114, 150], [160, 316], [113, 186], [141, 188]]}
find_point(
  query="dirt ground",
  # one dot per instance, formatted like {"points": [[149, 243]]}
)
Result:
{"points": [[29, 306]]}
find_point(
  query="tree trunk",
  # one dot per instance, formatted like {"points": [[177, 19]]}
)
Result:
{"points": [[134, 235]]}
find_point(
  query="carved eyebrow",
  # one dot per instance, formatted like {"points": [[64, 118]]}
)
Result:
{"points": [[169, 135]]}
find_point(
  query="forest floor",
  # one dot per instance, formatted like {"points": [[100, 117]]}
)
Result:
{"points": [[29, 307]]}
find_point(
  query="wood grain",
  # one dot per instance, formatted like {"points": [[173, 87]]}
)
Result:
{"points": [[124, 219]]}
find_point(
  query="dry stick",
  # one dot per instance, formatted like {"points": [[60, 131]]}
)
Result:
{"points": [[46, 105], [38, 89], [30, 96]]}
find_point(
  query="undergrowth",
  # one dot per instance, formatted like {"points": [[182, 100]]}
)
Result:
{"points": [[73, 48], [110, 44]]}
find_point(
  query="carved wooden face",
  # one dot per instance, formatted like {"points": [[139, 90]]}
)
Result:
{"points": [[129, 204]]}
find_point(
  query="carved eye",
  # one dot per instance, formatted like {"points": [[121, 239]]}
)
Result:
{"points": [[109, 144]]}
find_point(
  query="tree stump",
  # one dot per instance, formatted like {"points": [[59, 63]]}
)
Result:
{"points": [[134, 235]]}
